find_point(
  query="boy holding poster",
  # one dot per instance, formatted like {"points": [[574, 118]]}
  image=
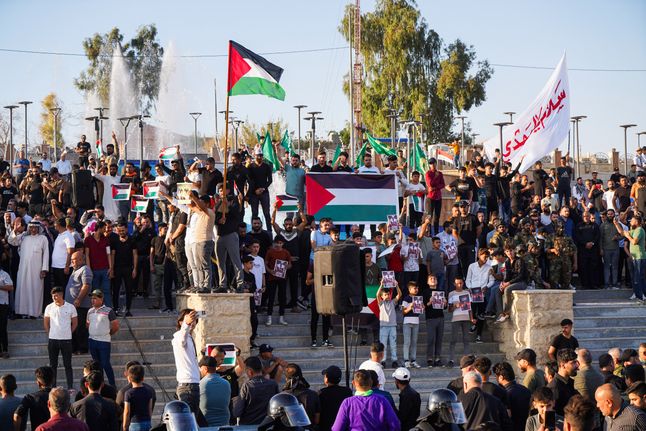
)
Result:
{"points": [[277, 262], [388, 319], [435, 304], [461, 318], [412, 307]]}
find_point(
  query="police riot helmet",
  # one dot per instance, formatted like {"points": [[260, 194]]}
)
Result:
{"points": [[445, 404], [178, 417], [286, 408]]}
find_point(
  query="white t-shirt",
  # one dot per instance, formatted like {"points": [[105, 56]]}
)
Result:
{"points": [[458, 313], [377, 368], [60, 320], [185, 356], [5, 280], [64, 167], [258, 270], [609, 198], [370, 170], [63, 241]]}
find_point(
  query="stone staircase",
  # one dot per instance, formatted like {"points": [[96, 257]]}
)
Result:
{"points": [[603, 319]]}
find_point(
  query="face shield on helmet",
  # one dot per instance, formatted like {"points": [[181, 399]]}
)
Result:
{"points": [[445, 404], [286, 408], [178, 417], [295, 416]]}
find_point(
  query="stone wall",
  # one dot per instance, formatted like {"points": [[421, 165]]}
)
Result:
{"points": [[226, 321], [535, 319]]}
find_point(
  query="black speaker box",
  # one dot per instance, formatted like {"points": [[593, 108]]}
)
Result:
{"points": [[339, 279], [82, 189]]}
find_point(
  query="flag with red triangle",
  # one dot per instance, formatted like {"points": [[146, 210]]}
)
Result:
{"points": [[286, 203], [249, 73], [121, 192]]}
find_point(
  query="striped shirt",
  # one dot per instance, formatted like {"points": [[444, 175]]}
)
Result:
{"points": [[628, 418]]}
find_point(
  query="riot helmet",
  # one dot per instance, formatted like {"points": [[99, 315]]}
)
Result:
{"points": [[286, 408], [445, 404], [178, 417]]}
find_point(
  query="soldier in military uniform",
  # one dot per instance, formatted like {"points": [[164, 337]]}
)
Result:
{"points": [[500, 236], [561, 256], [525, 234], [533, 266]]}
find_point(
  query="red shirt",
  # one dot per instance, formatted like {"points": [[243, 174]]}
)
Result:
{"points": [[272, 256], [98, 254], [394, 259], [62, 422], [435, 184]]}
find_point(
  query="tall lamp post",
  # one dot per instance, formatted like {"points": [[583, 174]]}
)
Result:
{"points": [[195, 116], [25, 103], [125, 122], [626, 127], [299, 107], [225, 116], [11, 150], [461, 118], [55, 111], [501, 126], [313, 117], [101, 118], [576, 119], [236, 125], [511, 115], [639, 142], [140, 123]]}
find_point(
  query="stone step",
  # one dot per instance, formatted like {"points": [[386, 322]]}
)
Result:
{"points": [[142, 318], [624, 309], [592, 322], [118, 360], [118, 346], [602, 295], [638, 332], [142, 333]]}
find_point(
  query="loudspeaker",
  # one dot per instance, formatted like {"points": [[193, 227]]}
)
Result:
{"points": [[82, 189], [338, 279]]}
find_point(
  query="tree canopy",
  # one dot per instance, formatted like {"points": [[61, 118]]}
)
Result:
{"points": [[407, 62], [46, 127], [142, 53]]}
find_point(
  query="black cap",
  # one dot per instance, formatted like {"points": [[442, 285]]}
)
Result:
{"points": [[333, 373], [264, 348], [432, 161]]}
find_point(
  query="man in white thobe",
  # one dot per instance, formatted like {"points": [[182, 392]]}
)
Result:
{"points": [[110, 206], [33, 249]]}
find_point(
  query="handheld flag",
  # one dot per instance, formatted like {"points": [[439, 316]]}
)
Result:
{"points": [[269, 153], [337, 153], [419, 161], [99, 151], [138, 204], [169, 153], [286, 142], [360, 155], [286, 203], [121, 192], [380, 148], [151, 190], [250, 73]]}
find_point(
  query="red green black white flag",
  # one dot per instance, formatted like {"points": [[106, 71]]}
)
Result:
{"points": [[250, 73]]}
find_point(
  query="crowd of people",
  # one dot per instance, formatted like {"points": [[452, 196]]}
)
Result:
{"points": [[506, 231]]}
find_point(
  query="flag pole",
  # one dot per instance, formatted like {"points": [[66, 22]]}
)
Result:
{"points": [[226, 135]]}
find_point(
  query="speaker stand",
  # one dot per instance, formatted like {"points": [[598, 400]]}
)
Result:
{"points": [[346, 353]]}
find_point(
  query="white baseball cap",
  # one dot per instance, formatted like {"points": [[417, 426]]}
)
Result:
{"points": [[402, 373]]}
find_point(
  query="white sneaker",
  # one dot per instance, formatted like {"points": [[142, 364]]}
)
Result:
{"points": [[502, 318], [281, 320], [415, 364], [268, 322], [633, 297], [406, 364]]}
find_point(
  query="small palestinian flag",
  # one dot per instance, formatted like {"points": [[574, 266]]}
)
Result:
{"points": [[151, 190], [417, 200], [373, 306], [121, 192], [286, 203], [169, 153], [250, 73], [138, 204], [99, 151]]}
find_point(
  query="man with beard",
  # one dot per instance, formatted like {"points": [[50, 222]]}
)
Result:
{"points": [[124, 258], [563, 384], [587, 237], [292, 244], [227, 245], [466, 228], [110, 205], [260, 178], [237, 179], [263, 237]]}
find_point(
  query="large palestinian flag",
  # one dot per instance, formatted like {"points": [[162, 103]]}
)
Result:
{"points": [[250, 73], [351, 198]]}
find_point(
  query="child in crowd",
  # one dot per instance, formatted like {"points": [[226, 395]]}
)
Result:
{"points": [[275, 258], [461, 318], [394, 259], [372, 278], [250, 286], [137, 402], [434, 305], [410, 253], [436, 263], [377, 241], [388, 320], [543, 402], [412, 306]]}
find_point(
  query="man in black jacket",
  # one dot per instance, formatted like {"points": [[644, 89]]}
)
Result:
{"points": [[98, 413], [409, 399], [481, 407], [331, 397], [519, 396], [587, 237], [35, 404], [260, 178], [563, 385], [227, 244]]}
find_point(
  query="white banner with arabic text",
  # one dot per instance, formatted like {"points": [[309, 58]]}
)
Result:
{"points": [[541, 128]]}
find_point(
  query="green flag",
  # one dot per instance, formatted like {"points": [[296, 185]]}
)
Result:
{"points": [[379, 147], [269, 153], [337, 153], [418, 159], [286, 142], [362, 151]]}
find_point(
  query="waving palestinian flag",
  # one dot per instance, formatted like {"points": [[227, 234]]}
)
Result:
{"points": [[250, 73]]}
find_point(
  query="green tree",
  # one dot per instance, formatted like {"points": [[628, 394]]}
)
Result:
{"points": [[143, 54], [46, 127], [406, 64]]}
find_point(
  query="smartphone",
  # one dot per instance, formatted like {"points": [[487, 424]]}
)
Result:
{"points": [[550, 420], [200, 313]]}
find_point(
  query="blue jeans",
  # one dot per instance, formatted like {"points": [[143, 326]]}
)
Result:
{"points": [[610, 267], [100, 351], [639, 272], [139, 426], [102, 281], [388, 335], [411, 331], [203, 272]]}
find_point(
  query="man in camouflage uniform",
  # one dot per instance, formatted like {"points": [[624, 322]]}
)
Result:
{"points": [[500, 236], [533, 266], [525, 234], [561, 256]]}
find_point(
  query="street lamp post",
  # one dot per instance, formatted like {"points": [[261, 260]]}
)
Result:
{"points": [[55, 111], [461, 118], [626, 127], [11, 152], [500, 126], [101, 118], [195, 116], [639, 142], [25, 103], [125, 121], [299, 107], [576, 119], [511, 115], [236, 125], [313, 117], [140, 123], [225, 115]]}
